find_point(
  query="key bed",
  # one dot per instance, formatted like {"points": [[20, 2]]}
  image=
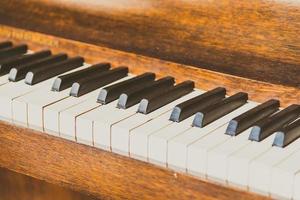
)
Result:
{"points": [[152, 137]]}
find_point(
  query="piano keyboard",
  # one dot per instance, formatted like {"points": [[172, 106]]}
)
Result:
{"points": [[207, 134]]}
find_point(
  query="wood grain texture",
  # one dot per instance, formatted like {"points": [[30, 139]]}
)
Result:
{"points": [[204, 79], [100, 173], [257, 39], [16, 186]]}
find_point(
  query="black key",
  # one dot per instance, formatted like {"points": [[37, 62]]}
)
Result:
{"points": [[247, 119], [5, 44], [12, 51], [287, 135], [219, 109], [88, 84], [192, 106], [19, 72], [65, 81], [37, 75], [22, 60], [111, 93], [132, 97], [265, 127], [148, 105]]}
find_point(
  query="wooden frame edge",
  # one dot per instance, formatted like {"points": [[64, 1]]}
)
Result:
{"points": [[100, 173], [204, 79]]}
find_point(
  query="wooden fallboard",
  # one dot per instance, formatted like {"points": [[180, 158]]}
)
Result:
{"points": [[257, 39], [106, 174]]}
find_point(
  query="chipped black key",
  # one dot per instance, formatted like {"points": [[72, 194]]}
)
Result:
{"points": [[219, 109], [12, 51], [287, 135], [192, 106], [65, 81], [6, 66], [265, 127], [5, 44], [148, 105], [88, 84], [247, 119], [37, 75], [132, 97], [19, 72], [111, 93]]}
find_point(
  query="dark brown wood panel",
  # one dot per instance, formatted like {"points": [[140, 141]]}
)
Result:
{"points": [[100, 173], [16, 186], [204, 79], [256, 39]]}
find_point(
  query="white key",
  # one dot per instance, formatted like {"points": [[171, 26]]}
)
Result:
{"points": [[12, 90], [94, 127], [139, 136], [283, 176], [68, 117], [296, 194], [52, 112], [217, 158], [28, 109], [158, 142], [178, 147], [85, 123], [197, 151], [121, 131], [260, 168], [4, 79], [238, 164]]}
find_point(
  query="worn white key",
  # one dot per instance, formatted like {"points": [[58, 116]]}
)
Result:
{"points": [[238, 164], [178, 147], [260, 168], [67, 120], [283, 176], [158, 142], [120, 132], [28, 109], [52, 112], [217, 158]]}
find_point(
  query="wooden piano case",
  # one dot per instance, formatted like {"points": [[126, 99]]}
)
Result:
{"points": [[250, 46]]}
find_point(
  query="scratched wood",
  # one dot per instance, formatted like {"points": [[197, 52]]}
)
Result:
{"points": [[256, 39], [204, 79], [100, 173]]}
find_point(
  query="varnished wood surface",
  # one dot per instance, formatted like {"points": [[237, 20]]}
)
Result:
{"points": [[100, 173], [15, 186], [257, 39], [204, 79]]}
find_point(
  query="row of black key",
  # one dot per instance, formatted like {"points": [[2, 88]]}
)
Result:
{"points": [[152, 94]]}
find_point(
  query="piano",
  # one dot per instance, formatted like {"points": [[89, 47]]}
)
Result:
{"points": [[153, 99]]}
